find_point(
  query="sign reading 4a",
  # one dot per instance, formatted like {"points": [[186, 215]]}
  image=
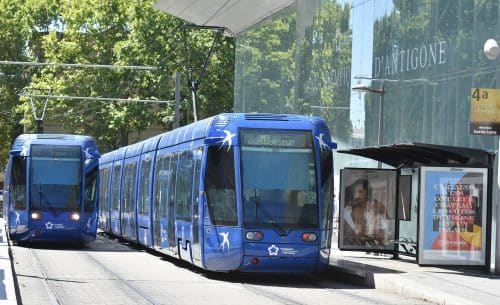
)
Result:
{"points": [[485, 111]]}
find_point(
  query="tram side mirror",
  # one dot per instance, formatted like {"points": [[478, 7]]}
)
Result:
{"points": [[15, 153], [92, 153]]}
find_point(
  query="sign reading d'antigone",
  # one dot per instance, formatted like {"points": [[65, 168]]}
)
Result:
{"points": [[411, 59]]}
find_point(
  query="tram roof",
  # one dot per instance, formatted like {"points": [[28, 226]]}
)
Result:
{"points": [[213, 130], [21, 145], [134, 149], [151, 143], [237, 16]]}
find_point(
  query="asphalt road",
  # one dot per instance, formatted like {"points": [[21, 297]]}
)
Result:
{"points": [[110, 271]]}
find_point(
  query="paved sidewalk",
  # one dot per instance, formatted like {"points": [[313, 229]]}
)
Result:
{"points": [[404, 276], [7, 290]]}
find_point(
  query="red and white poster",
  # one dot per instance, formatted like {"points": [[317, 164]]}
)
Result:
{"points": [[452, 216]]}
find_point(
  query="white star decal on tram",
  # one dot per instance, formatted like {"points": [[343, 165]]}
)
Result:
{"points": [[273, 250], [228, 139], [225, 240], [322, 143]]}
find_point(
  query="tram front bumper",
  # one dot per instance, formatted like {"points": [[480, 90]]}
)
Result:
{"points": [[64, 231], [280, 258]]}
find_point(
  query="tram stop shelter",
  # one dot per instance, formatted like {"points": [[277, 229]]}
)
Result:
{"points": [[435, 204]]}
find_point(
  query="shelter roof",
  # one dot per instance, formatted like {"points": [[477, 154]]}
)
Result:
{"points": [[417, 154], [235, 15]]}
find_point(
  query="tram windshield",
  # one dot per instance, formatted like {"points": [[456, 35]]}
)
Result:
{"points": [[278, 179], [55, 177]]}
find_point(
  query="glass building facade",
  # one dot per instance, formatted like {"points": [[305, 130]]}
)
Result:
{"points": [[426, 56]]}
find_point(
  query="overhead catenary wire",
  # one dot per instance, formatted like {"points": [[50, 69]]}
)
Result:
{"points": [[31, 63], [102, 99]]}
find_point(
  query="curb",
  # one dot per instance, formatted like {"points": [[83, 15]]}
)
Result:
{"points": [[421, 286], [7, 285]]}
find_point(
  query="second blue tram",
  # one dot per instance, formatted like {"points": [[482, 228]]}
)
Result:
{"points": [[51, 188], [235, 192]]}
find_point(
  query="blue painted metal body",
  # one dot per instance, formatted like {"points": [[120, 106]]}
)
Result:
{"points": [[174, 215], [52, 188]]}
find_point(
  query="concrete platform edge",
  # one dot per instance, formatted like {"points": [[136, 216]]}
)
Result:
{"points": [[7, 284]]}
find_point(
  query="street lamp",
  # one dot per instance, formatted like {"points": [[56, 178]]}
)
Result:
{"points": [[381, 91], [491, 49]]}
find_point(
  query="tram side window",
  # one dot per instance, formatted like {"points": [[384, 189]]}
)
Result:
{"points": [[90, 189], [18, 180], [104, 188], [144, 184], [183, 188], [116, 186], [128, 188], [327, 186], [171, 185], [162, 178], [220, 186]]}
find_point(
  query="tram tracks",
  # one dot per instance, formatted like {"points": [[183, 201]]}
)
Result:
{"points": [[110, 272], [49, 289], [55, 294], [124, 282]]}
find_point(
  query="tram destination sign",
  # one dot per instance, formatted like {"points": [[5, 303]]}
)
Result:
{"points": [[485, 111], [297, 139]]}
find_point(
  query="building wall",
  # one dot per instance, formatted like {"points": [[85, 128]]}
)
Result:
{"points": [[426, 55]]}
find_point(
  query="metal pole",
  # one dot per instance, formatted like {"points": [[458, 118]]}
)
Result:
{"points": [[381, 120], [177, 99], [195, 102], [495, 234]]}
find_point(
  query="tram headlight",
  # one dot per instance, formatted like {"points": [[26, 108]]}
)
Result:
{"points": [[36, 215], [309, 237], [74, 216], [254, 235]]}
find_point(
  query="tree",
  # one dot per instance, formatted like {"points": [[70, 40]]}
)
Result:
{"points": [[14, 32], [111, 32]]}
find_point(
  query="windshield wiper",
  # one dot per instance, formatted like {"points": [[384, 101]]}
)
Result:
{"points": [[278, 228]]}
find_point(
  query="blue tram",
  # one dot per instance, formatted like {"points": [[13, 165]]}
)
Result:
{"points": [[235, 192], [51, 188]]}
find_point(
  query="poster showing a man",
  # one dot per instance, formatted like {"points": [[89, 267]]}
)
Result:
{"points": [[367, 209], [453, 211]]}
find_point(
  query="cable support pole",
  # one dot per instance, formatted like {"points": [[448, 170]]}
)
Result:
{"points": [[102, 99], [194, 84], [30, 63]]}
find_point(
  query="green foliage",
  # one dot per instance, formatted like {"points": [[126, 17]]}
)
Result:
{"points": [[288, 67], [14, 31], [109, 32]]}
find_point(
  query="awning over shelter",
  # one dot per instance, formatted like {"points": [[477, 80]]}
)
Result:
{"points": [[235, 15], [417, 154]]}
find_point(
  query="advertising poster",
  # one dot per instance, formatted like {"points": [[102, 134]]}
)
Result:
{"points": [[367, 213], [452, 216]]}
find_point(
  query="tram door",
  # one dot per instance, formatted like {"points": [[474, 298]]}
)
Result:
{"points": [[89, 220], [163, 176], [115, 198], [15, 197], [196, 249], [172, 243]]}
